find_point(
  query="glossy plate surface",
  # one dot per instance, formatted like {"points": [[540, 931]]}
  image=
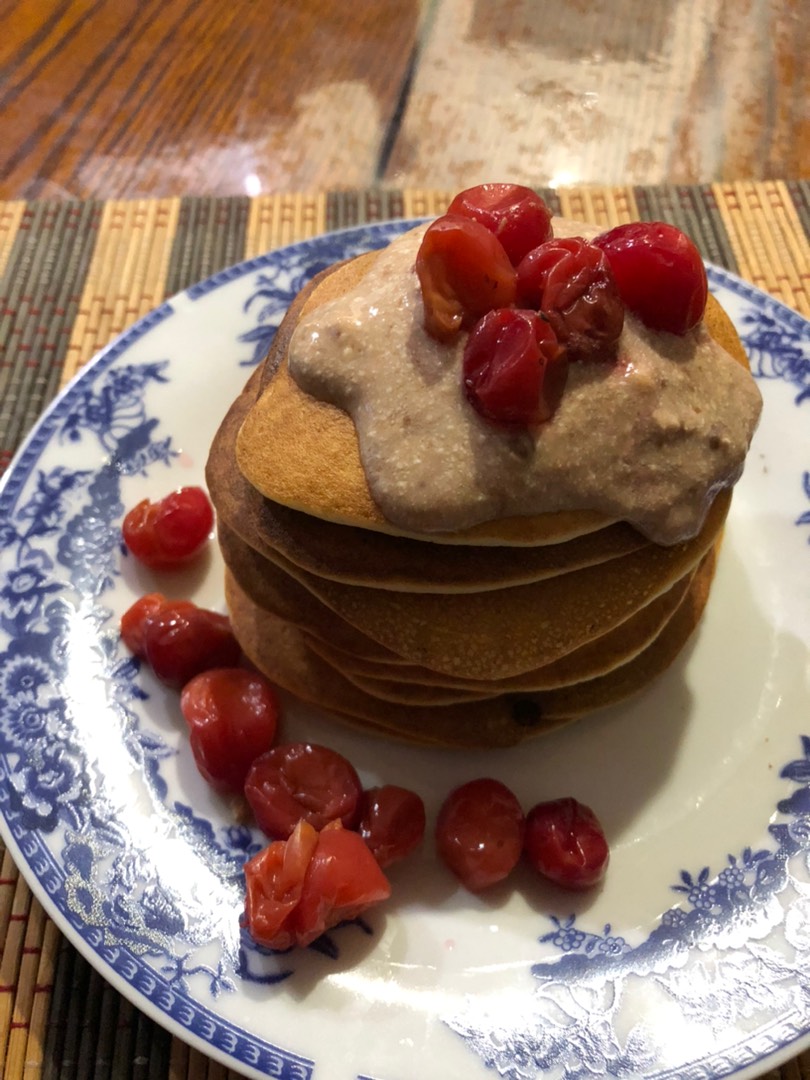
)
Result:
{"points": [[691, 961]]}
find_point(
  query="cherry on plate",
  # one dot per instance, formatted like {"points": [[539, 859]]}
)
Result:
{"points": [[170, 532], [566, 843], [479, 832], [392, 822], [301, 780], [181, 639], [342, 881], [300, 887], [232, 716]]}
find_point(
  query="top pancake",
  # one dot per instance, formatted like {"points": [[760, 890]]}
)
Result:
{"points": [[365, 557], [304, 453]]}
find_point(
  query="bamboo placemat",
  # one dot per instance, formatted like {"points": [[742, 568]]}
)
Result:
{"points": [[75, 274]]}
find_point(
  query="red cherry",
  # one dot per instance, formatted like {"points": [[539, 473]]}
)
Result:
{"points": [[181, 640], [298, 888], [392, 822], [565, 843], [570, 282], [274, 884], [464, 272], [479, 832], [302, 780], [232, 716], [135, 620], [169, 533], [342, 881], [514, 369], [515, 214], [659, 273]]}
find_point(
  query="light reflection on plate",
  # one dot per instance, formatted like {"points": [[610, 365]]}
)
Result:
{"points": [[692, 960]]}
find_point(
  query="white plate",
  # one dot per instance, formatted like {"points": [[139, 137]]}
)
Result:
{"points": [[693, 960]]}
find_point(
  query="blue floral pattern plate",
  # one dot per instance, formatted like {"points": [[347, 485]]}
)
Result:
{"points": [[693, 959]]}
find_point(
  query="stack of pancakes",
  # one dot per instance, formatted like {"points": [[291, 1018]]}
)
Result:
{"points": [[476, 638]]}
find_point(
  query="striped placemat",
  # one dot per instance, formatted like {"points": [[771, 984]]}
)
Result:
{"points": [[75, 274]]}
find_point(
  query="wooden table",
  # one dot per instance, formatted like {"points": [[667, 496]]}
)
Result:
{"points": [[126, 98], [161, 140]]}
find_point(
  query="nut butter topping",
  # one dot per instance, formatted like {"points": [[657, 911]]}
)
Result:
{"points": [[650, 439]]}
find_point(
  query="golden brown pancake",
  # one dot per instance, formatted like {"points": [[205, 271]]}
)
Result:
{"points": [[304, 453], [279, 650], [357, 556], [503, 632], [359, 656], [482, 637], [596, 658], [284, 597]]}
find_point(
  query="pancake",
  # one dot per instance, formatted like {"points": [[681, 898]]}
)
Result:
{"points": [[357, 556], [284, 597], [354, 654], [304, 453], [480, 637], [499, 633], [596, 658], [279, 650]]}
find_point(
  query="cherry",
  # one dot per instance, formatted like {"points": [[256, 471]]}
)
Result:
{"points": [[514, 213], [232, 716], [135, 620], [479, 832], [392, 822], [169, 533], [659, 273], [570, 282], [513, 368], [300, 887], [274, 884], [181, 640], [342, 880], [565, 843], [464, 272], [302, 780]]}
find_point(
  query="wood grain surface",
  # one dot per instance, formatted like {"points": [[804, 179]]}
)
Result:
{"points": [[126, 98], [118, 98]]}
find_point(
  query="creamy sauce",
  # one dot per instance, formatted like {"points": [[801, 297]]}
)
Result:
{"points": [[649, 440]]}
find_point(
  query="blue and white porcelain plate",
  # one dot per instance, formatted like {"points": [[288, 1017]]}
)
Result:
{"points": [[693, 959]]}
